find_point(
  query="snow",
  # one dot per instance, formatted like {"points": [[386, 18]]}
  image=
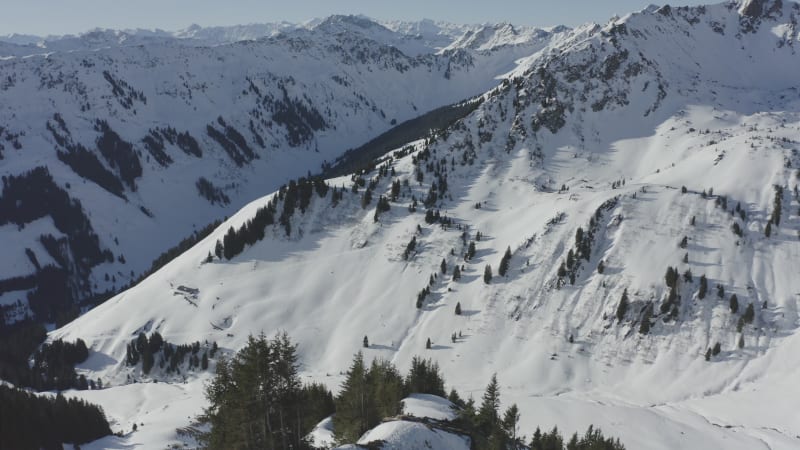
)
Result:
{"points": [[400, 435], [346, 68], [341, 275], [322, 435], [430, 406]]}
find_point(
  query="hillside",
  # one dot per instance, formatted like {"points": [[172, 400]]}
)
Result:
{"points": [[100, 143], [663, 139]]}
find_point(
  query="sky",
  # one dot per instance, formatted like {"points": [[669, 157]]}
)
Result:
{"points": [[46, 17]]}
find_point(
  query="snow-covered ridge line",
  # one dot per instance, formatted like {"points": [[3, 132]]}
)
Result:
{"points": [[632, 111], [415, 37]]}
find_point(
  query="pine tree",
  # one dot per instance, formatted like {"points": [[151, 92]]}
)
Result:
{"points": [[684, 242], [708, 354], [701, 294], [622, 308], [487, 274], [601, 267], [428, 344], [671, 277], [562, 270], [470, 251], [768, 229], [734, 303], [456, 273], [504, 263], [353, 404], [749, 314], [716, 350], [458, 308], [366, 342], [443, 266], [644, 326], [510, 424], [741, 341], [488, 413]]}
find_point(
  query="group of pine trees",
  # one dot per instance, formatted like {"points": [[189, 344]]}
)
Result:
{"points": [[489, 430], [53, 364], [295, 195], [33, 422], [256, 400], [169, 357], [582, 250]]}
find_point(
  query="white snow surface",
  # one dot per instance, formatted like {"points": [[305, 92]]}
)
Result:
{"points": [[660, 99], [404, 435], [430, 406]]}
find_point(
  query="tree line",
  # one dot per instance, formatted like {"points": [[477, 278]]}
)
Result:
{"points": [[40, 422], [256, 400]]}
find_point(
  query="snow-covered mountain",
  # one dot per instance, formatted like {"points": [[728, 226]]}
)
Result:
{"points": [[652, 159], [424, 36], [158, 139]]}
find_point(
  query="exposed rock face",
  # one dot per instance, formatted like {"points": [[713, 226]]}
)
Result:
{"points": [[760, 8]]}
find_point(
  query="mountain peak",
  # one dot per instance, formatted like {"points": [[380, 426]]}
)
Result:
{"points": [[759, 8]]}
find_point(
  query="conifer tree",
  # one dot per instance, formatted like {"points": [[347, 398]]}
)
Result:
{"points": [[458, 308], [601, 267], [428, 344], [488, 413], [366, 342], [456, 273], [644, 326], [470, 251], [353, 403], [671, 277], [510, 424], [443, 266], [701, 294], [487, 274], [734, 304], [622, 308], [749, 314], [504, 263]]}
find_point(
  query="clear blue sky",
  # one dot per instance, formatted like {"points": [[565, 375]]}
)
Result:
{"points": [[44, 17]]}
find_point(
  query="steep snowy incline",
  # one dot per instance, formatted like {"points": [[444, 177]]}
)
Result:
{"points": [[616, 165], [140, 129]]}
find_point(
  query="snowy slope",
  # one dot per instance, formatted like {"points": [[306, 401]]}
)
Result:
{"points": [[258, 113], [651, 100]]}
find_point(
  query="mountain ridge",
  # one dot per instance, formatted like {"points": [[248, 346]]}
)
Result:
{"points": [[628, 144]]}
